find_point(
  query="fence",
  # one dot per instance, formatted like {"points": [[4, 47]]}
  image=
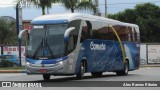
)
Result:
{"points": [[13, 50], [150, 53]]}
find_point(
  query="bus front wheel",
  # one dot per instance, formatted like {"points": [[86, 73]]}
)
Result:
{"points": [[125, 70], [80, 75], [46, 77]]}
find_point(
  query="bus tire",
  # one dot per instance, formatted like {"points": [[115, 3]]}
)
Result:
{"points": [[125, 70], [46, 77], [96, 74], [80, 75]]}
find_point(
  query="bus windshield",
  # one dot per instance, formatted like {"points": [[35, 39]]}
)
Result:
{"points": [[46, 41]]}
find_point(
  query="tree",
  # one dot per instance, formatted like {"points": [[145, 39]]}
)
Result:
{"points": [[68, 4], [79, 5], [146, 17], [38, 3], [7, 32]]}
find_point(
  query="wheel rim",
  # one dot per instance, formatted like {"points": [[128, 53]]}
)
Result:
{"points": [[126, 68], [82, 69]]}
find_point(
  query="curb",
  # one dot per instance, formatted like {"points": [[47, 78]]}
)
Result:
{"points": [[150, 66], [12, 71]]}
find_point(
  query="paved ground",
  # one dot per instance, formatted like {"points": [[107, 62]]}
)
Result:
{"points": [[143, 74]]}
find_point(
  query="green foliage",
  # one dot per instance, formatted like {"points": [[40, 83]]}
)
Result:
{"points": [[38, 3], [146, 16], [68, 4], [6, 63], [79, 5], [13, 68], [7, 32]]}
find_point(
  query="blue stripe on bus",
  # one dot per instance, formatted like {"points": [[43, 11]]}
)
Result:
{"points": [[49, 22], [99, 58], [48, 61], [110, 58]]}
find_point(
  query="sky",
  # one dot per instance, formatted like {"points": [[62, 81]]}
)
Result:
{"points": [[7, 8]]}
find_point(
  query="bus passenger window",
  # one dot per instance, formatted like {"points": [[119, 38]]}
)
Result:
{"points": [[135, 35], [89, 25], [122, 32], [83, 34], [130, 34], [86, 30]]}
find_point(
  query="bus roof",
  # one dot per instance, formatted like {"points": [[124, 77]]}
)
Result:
{"points": [[67, 17]]}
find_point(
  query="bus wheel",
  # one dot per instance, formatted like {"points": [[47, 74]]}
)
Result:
{"points": [[80, 75], [125, 70], [96, 74], [46, 77]]}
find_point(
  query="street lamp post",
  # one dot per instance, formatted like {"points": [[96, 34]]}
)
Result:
{"points": [[105, 8], [17, 18], [17, 28]]}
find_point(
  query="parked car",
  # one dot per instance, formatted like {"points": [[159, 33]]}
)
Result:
{"points": [[11, 60]]}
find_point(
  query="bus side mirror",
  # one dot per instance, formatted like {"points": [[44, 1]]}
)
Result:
{"points": [[67, 32], [20, 35]]}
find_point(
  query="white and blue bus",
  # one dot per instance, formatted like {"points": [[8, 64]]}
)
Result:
{"points": [[74, 44]]}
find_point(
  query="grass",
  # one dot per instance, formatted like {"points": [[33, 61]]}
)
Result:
{"points": [[12, 68]]}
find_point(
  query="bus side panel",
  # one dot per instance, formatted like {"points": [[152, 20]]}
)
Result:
{"points": [[101, 55], [132, 52]]}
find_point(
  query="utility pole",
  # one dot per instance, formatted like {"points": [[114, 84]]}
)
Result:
{"points": [[18, 23], [96, 4], [105, 8]]}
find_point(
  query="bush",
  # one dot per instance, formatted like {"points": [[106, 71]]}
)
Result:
{"points": [[6, 63]]}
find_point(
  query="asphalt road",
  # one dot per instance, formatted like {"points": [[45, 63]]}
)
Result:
{"points": [[143, 74]]}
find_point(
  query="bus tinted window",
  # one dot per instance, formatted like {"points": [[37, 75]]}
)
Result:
{"points": [[84, 33], [122, 32], [103, 32], [130, 34], [137, 36]]}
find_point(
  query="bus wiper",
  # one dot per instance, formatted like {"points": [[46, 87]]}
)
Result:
{"points": [[41, 47], [47, 46], [38, 49]]}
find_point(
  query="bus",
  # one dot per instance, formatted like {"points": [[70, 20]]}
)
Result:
{"points": [[76, 43]]}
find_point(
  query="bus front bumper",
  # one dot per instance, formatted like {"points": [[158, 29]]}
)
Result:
{"points": [[54, 69]]}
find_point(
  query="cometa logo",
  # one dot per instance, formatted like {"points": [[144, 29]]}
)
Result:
{"points": [[94, 46]]}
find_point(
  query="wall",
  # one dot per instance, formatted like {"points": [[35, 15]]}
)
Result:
{"points": [[149, 53]]}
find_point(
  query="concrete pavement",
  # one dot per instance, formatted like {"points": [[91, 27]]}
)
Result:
{"points": [[12, 71]]}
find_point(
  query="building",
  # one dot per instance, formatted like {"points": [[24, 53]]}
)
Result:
{"points": [[26, 24]]}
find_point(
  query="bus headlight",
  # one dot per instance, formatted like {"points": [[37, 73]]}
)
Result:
{"points": [[61, 62]]}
